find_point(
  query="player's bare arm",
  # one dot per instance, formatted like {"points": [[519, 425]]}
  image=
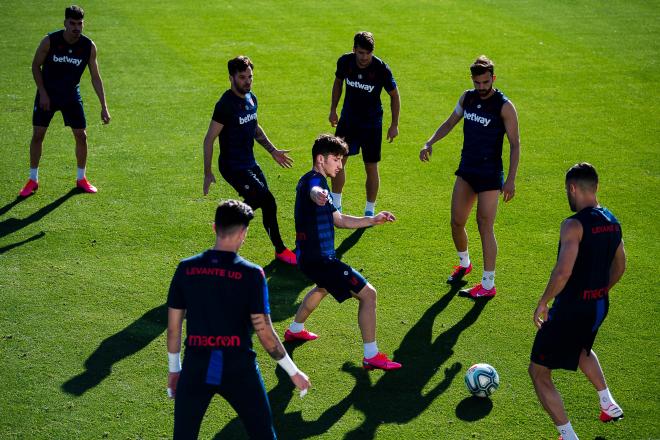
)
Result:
{"points": [[510, 118], [319, 195], [442, 131], [174, 329], [618, 266], [211, 134], [38, 60], [97, 83], [337, 88], [350, 222], [569, 238], [280, 156], [395, 107]]}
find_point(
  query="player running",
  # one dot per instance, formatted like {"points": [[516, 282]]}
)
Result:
{"points": [[487, 115], [316, 216], [590, 262], [58, 64], [234, 120], [361, 122], [223, 298]]}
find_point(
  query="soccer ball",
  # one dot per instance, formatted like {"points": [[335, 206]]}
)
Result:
{"points": [[482, 380]]}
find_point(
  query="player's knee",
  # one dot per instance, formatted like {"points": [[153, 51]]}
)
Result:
{"points": [[485, 223], [80, 135], [537, 373], [38, 136], [368, 295], [456, 223]]}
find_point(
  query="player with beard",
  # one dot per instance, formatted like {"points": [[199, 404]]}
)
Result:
{"points": [[487, 115], [234, 121]]}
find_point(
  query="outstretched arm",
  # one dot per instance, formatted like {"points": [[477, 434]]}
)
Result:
{"points": [[213, 132], [97, 83], [510, 118], [280, 156], [442, 131], [350, 222]]}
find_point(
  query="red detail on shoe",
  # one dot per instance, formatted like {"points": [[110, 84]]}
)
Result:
{"points": [[30, 188], [86, 186], [605, 417], [459, 272], [479, 292], [303, 335], [287, 256], [381, 362]]}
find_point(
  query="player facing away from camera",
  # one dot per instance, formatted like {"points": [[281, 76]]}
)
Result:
{"points": [[57, 66], [591, 260], [234, 121], [224, 298], [487, 115], [361, 122], [316, 217]]}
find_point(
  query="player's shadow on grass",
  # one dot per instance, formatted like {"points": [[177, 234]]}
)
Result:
{"points": [[7, 248], [5, 209]]}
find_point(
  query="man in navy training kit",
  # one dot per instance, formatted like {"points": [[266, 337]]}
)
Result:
{"points": [[316, 216], [57, 66], [487, 115], [591, 260], [234, 121], [361, 122], [223, 298]]}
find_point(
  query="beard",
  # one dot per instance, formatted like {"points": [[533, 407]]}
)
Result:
{"points": [[485, 92]]}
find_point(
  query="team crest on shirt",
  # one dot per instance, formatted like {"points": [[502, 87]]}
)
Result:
{"points": [[70, 51], [359, 76], [478, 105], [249, 100]]}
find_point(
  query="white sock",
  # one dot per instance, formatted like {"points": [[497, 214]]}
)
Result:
{"points": [[370, 349], [566, 432], [296, 327], [606, 398], [370, 206], [488, 280], [34, 174], [81, 173], [464, 258]]}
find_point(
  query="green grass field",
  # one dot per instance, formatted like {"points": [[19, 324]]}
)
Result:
{"points": [[84, 278]]}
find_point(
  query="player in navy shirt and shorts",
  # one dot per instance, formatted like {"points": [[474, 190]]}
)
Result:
{"points": [[224, 298], [590, 261], [361, 121], [487, 116], [316, 217], [58, 64], [234, 121]]}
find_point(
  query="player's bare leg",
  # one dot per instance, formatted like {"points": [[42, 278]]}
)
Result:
{"points": [[297, 331], [372, 184], [367, 312], [462, 200], [80, 136], [591, 368], [36, 145], [338, 184], [547, 393], [486, 212]]}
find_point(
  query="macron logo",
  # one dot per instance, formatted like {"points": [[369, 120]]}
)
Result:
{"points": [[248, 118], [479, 119], [66, 59], [359, 85]]}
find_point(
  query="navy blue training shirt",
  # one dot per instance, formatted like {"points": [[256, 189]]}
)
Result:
{"points": [[239, 119], [64, 65], [315, 228]]}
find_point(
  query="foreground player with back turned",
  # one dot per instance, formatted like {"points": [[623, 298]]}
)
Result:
{"points": [[590, 262], [316, 218], [487, 115], [234, 121], [224, 298], [58, 64]]}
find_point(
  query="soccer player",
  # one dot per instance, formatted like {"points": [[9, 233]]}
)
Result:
{"points": [[316, 216], [223, 298], [234, 120], [590, 262], [57, 66], [361, 122], [487, 115]]}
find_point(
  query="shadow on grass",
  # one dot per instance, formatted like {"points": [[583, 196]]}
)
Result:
{"points": [[7, 248], [5, 209], [474, 408]]}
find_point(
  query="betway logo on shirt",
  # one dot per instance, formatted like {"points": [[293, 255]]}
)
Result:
{"points": [[359, 85], [248, 118], [66, 59], [476, 118]]}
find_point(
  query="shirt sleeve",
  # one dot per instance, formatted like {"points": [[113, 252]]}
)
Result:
{"points": [[341, 68], [388, 79], [259, 302], [221, 114], [175, 297]]}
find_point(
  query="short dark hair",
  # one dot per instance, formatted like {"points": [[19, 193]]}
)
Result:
{"points": [[583, 174], [482, 65], [231, 214], [327, 144], [365, 40], [239, 64], [75, 12]]}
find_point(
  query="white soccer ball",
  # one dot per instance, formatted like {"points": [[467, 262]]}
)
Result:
{"points": [[482, 380]]}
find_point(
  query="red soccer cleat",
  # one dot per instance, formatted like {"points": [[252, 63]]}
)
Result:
{"points": [[479, 292], [86, 186], [611, 414], [458, 273], [381, 362], [302, 335], [30, 188], [287, 256]]}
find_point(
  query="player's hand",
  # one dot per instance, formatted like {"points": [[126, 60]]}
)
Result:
{"points": [[105, 115], [425, 153], [209, 178], [333, 118], [282, 158], [172, 381], [44, 101], [508, 190], [301, 381], [319, 196], [540, 314], [392, 132], [383, 217]]}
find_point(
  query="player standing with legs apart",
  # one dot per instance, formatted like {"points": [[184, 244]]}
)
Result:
{"points": [[590, 262], [316, 217], [223, 298], [234, 121], [361, 122], [488, 115], [57, 66]]}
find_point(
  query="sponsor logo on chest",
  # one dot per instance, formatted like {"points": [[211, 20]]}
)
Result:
{"points": [[68, 60], [247, 118], [476, 118], [359, 85]]}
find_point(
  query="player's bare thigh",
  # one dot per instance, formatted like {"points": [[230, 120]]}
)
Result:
{"points": [[462, 200]]}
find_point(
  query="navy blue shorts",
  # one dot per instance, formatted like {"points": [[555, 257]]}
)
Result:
{"points": [[249, 183], [338, 278], [367, 138], [73, 113], [481, 183]]}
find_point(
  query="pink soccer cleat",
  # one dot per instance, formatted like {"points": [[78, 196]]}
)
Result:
{"points": [[458, 273], [381, 362], [611, 414], [287, 256], [479, 292], [86, 186], [302, 335], [30, 188]]}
